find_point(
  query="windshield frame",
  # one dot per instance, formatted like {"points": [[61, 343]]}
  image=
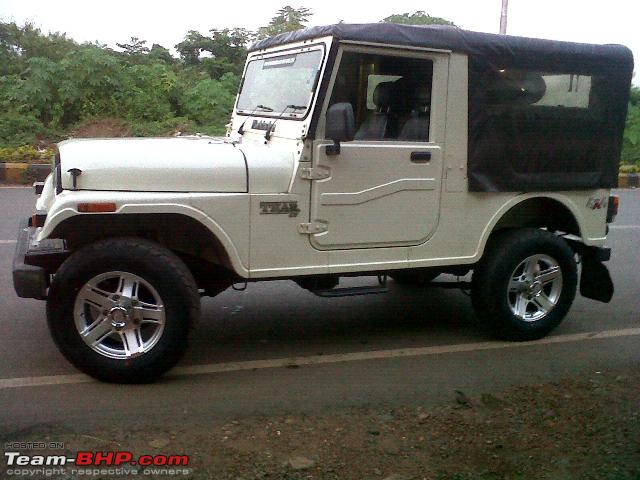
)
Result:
{"points": [[288, 115]]}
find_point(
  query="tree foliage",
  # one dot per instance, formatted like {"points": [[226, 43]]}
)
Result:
{"points": [[51, 86], [417, 18], [631, 142], [219, 52], [287, 19]]}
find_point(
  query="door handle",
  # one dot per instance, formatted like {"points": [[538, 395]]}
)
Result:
{"points": [[420, 157]]}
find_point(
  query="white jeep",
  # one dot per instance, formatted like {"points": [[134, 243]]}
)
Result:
{"points": [[378, 150]]}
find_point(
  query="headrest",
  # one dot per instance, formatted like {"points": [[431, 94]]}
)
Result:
{"points": [[422, 96], [382, 94]]}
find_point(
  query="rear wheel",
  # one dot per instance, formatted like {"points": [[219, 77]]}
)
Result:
{"points": [[120, 310], [525, 284]]}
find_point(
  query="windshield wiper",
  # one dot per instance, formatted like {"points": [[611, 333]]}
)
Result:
{"points": [[258, 107], [267, 134]]}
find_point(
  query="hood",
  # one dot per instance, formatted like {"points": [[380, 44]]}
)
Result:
{"points": [[180, 164]]}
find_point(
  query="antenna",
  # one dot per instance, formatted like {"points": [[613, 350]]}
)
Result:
{"points": [[503, 17]]}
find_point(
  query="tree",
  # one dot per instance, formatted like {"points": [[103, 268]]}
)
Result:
{"points": [[159, 54], [136, 47], [417, 18], [634, 97], [287, 19], [224, 50], [19, 43]]}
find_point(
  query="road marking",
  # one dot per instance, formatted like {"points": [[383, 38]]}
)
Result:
{"points": [[8, 242], [17, 186], [333, 358]]}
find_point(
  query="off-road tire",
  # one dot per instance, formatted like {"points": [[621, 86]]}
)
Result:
{"points": [[155, 264], [491, 277]]}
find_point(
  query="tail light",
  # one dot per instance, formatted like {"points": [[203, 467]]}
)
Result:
{"points": [[612, 208]]}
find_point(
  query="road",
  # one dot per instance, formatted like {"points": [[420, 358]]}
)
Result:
{"points": [[275, 348]]}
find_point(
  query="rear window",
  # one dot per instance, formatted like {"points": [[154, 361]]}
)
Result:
{"points": [[544, 125], [567, 90], [519, 87]]}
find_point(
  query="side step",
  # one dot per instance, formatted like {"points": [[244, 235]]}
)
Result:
{"points": [[350, 291]]}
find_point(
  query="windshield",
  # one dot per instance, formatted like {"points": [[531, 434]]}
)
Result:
{"points": [[272, 84]]}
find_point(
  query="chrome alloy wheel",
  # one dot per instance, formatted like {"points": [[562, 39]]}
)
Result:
{"points": [[535, 287], [119, 315]]}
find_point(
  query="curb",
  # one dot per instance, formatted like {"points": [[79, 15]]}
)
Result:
{"points": [[24, 172], [36, 172]]}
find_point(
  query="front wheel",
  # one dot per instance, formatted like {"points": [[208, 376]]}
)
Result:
{"points": [[120, 310], [524, 285]]}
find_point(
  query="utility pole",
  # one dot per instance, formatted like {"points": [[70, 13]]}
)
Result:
{"points": [[503, 17]]}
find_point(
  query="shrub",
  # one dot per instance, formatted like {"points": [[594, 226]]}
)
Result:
{"points": [[629, 168], [26, 154], [148, 93], [209, 102], [19, 129], [168, 127], [631, 143]]}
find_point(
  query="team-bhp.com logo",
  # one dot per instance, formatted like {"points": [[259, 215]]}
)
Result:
{"points": [[96, 464]]}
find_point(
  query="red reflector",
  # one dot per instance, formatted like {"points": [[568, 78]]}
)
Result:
{"points": [[616, 204], [612, 208], [96, 207]]}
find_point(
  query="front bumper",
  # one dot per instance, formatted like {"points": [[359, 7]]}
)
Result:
{"points": [[34, 261]]}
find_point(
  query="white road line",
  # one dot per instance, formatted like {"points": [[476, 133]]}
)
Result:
{"points": [[624, 227], [334, 358], [7, 187], [8, 242]]}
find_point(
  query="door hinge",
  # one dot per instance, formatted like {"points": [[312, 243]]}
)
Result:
{"points": [[315, 173], [313, 227]]}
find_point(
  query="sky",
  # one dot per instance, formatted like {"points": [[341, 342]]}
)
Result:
{"points": [[166, 23]]}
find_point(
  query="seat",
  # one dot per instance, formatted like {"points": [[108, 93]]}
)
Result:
{"points": [[416, 127], [376, 123]]}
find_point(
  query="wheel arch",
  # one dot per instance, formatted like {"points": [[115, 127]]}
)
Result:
{"points": [[553, 212], [182, 232]]}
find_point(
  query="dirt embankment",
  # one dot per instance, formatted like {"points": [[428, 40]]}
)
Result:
{"points": [[581, 428]]}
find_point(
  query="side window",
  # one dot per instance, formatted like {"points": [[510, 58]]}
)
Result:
{"points": [[391, 96]]}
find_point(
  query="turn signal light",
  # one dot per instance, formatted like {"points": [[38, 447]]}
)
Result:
{"points": [[38, 219], [96, 207]]}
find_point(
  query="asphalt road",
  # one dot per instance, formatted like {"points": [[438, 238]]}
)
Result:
{"points": [[407, 347]]}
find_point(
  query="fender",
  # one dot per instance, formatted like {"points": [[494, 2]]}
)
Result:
{"points": [[64, 208], [515, 201]]}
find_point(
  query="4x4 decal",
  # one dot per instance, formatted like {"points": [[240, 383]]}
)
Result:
{"points": [[596, 203]]}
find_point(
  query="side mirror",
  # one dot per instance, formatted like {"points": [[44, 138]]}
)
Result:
{"points": [[340, 126]]}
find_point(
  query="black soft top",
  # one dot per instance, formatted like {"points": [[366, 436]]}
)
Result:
{"points": [[594, 58], [514, 145]]}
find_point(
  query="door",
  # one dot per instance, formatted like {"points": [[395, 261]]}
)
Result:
{"points": [[383, 188]]}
